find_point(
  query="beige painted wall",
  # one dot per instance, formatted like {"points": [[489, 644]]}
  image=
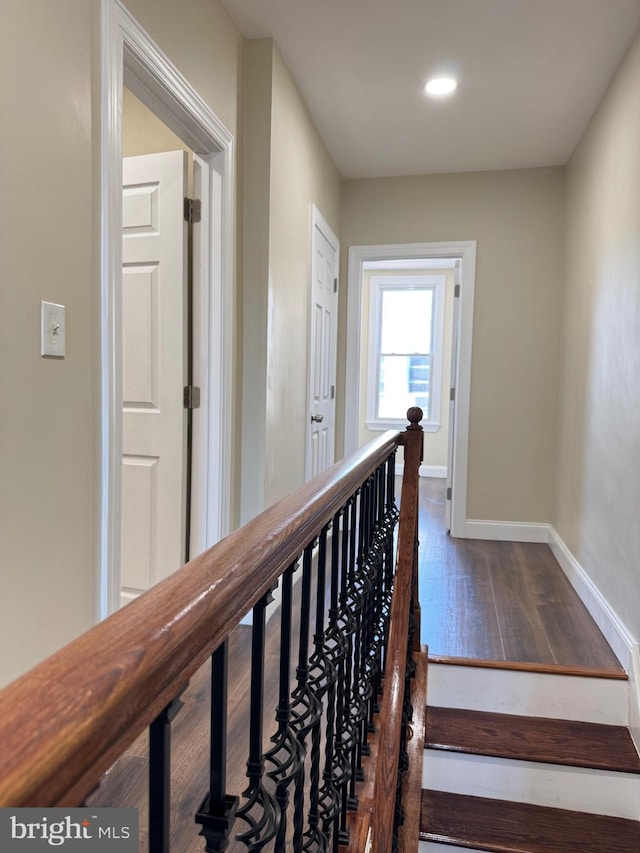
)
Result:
{"points": [[598, 463], [144, 133], [200, 37], [290, 170], [49, 249], [517, 219], [435, 443], [48, 417], [256, 174], [302, 174]]}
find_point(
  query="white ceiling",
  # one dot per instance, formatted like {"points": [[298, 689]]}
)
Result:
{"points": [[531, 74]]}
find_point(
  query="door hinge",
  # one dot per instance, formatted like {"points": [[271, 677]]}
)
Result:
{"points": [[449, 493], [192, 210], [191, 397], [452, 394], [456, 290], [333, 391], [335, 285]]}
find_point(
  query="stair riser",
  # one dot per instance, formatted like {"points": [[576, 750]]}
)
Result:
{"points": [[564, 697], [434, 847], [574, 788]]}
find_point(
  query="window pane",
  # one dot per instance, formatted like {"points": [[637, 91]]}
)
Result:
{"points": [[406, 320], [404, 381]]}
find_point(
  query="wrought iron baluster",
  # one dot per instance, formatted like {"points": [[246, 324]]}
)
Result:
{"points": [[391, 519], [335, 650], [345, 731], [363, 589], [261, 810], [356, 707], [287, 755], [160, 778], [305, 706], [217, 811], [321, 671]]}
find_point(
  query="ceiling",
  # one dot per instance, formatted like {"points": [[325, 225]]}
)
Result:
{"points": [[531, 73]]}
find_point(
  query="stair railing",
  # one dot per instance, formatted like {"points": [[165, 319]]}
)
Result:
{"points": [[64, 723]]}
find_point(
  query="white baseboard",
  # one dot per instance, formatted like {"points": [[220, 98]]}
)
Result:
{"points": [[506, 531], [634, 696], [603, 614], [438, 471], [615, 631]]}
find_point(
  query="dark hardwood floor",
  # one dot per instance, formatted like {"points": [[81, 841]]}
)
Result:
{"points": [[500, 601], [496, 601]]}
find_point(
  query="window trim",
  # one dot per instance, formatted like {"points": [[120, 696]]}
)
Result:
{"points": [[394, 281]]}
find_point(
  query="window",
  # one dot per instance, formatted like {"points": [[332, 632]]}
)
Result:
{"points": [[406, 326]]}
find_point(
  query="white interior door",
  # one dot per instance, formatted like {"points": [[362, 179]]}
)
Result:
{"points": [[322, 347], [154, 274], [452, 395]]}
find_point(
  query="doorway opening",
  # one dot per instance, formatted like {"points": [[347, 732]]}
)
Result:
{"points": [[131, 58], [443, 276]]}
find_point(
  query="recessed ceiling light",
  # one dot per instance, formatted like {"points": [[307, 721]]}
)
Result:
{"points": [[441, 86]]}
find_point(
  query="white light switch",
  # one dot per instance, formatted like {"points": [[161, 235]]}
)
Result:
{"points": [[52, 336]]}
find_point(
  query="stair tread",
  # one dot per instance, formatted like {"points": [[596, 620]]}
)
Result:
{"points": [[500, 826], [577, 744]]}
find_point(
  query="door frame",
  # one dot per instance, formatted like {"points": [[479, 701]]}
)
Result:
{"points": [[466, 252], [131, 57], [318, 222]]}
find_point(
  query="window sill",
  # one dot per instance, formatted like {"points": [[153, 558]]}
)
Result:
{"points": [[400, 423]]}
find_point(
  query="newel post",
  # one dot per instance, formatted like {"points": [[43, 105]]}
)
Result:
{"points": [[412, 440]]}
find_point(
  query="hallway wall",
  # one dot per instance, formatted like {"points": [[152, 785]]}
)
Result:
{"points": [[598, 486], [287, 168], [516, 217], [49, 249], [48, 471]]}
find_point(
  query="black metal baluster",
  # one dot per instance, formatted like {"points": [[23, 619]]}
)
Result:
{"points": [[363, 596], [391, 518], [305, 707], [160, 778], [345, 732], [261, 810], [378, 592], [287, 755], [217, 811], [354, 708], [373, 565], [320, 673], [335, 649]]}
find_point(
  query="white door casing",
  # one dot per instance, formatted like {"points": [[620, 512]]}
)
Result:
{"points": [[451, 442], [154, 340], [323, 326], [466, 251], [131, 57]]}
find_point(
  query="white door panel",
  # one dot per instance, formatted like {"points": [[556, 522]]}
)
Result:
{"points": [[452, 401], [154, 248], [322, 350]]}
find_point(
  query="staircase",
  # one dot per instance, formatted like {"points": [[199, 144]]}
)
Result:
{"points": [[528, 760]]}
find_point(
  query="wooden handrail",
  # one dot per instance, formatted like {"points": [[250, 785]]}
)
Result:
{"points": [[384, 798], [65, 722]]}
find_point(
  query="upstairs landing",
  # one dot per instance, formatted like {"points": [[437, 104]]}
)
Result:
{"points": [[506, 602]]}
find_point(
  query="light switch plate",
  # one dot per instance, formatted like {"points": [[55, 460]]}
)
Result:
{"points": [[53, 331]]}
